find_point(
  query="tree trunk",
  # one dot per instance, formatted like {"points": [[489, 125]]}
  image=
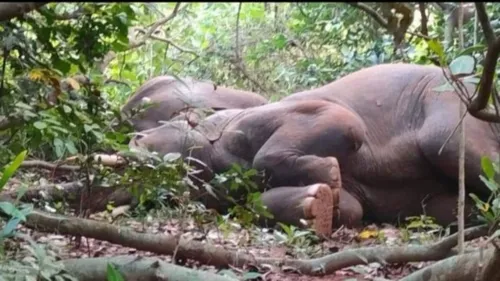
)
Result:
{"points": [[136, 268]]}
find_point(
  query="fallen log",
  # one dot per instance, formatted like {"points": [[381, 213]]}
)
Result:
{"points": [[111, 160], [48, 166], [137, 268], [219, 257], [459, 268], [76, 194]]}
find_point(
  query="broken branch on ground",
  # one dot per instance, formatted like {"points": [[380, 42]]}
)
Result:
{"points": [[220, 257]]}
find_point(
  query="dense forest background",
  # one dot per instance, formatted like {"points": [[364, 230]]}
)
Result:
{"points": [[67, 68]]}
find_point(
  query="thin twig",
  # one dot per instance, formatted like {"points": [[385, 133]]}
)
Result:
{"points": [[162, 21], [376, 16], [452, 133], [237, 33], [461, 150]]}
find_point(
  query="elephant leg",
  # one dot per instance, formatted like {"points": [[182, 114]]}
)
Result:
{"points": [[313, 204], [439, 206], [299, 170], [350, 211], [321, 207], [479, 141]]}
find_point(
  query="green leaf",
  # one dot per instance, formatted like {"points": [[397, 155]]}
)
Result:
{"points": [[24, 106], [59, 146], [8, 229], [251, 275], [471, 80], [496, 234], [8, 208], [87, 128], [120, 46], [228, 273], [491, 184], [70, 146], [437, 48], [10, 170], [62, 65], [463, 65], [472, 49], [112, 274], [67, 109], [11, 210], [280, 41], [487, 166], [40, 125], [476, 200]]}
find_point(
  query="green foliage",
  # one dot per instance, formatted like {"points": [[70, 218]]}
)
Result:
{"points": [[15, 213], [489, 210], [237, 182], [420, 228], [298, 240], [249, 275], [112, 274], [152, 180], [11, 169], [282, 48], [37, 263]]}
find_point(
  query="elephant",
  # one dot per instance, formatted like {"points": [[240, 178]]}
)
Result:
{"points": [[303, 177], [183, 98], [398, 171], [370, 140]]}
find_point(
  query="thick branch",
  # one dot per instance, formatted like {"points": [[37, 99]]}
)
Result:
{"points": [[456, 268], [157, 243], [478, 106], [10, 10], [376, 16], [485, 22], [211, 255], [334, 262], [423, 19], [136, 268], [490, 62], [76, 194]]}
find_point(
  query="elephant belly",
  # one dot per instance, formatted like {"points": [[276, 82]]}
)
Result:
{"points": [[393, 202], [396, 181]]}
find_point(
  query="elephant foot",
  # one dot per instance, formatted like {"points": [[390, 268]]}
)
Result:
{"points": [[318, 208], [335, 180]]}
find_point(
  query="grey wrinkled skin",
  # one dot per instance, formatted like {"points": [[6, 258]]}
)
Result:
{"points": [[384, 124], [268, 138], [398, 172], [185, 98]]}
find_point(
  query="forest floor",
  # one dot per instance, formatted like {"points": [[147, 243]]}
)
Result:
{"points": [[259, 242]]}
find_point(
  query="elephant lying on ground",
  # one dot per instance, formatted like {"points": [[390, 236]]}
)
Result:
{"points": [[383, 125], [272, 138], [186, 97], [398, 171]]}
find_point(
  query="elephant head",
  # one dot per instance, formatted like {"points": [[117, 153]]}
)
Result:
{"points": [[176, 137]]}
